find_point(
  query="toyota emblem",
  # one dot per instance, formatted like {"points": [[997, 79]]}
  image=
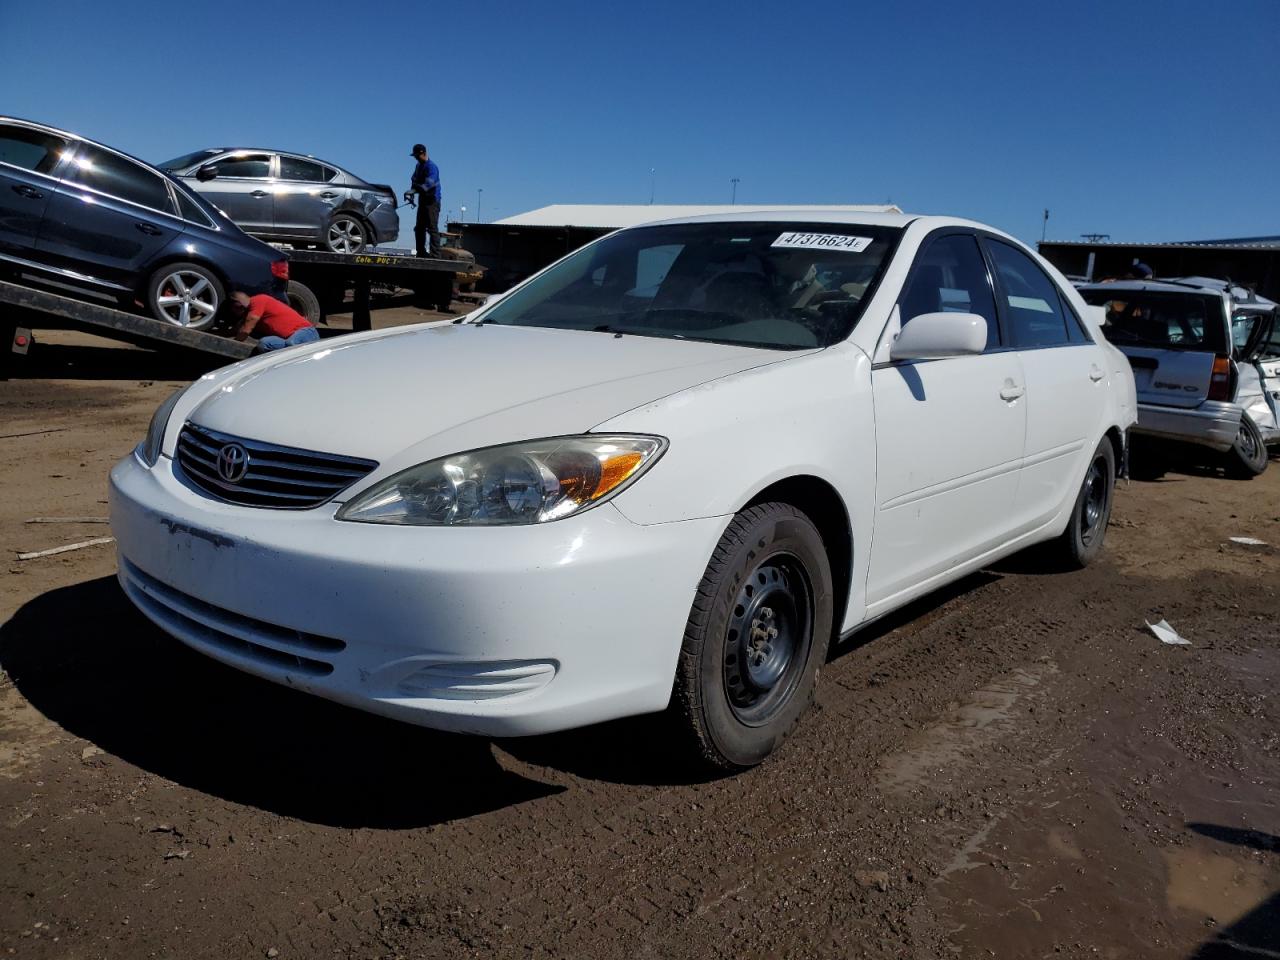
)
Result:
{"points": [[233, 461]]}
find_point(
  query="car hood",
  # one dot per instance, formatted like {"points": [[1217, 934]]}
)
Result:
{"points": [[402, 396]]}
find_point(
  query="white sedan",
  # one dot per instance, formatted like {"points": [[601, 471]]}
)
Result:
{"points": [[668, 471]]}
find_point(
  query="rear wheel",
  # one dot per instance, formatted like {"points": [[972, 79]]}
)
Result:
{"points": [[1248, 455], [304, 301], [1081, 542], [346, 234], [185, 295], [757, 633]]}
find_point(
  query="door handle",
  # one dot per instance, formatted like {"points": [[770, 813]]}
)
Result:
{"points": [[259, 194], [1011, 391], [31, 193], [328, 195], [148, 229], [1095, 374]]}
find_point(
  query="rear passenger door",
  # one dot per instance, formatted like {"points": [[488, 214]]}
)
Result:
{"points": [[949, 433], [109, 216], [304, 198], [1066, 378], [29, 161]]}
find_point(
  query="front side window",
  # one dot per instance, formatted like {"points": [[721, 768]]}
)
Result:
{"points": [[774, 285], [119, 177], [255, 166], [1163, 320], [1031, 300], [293, 168], [30, 149], [950, 276]]}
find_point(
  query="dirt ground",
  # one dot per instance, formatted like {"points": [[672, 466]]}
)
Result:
{"points": [[1013, 768]]}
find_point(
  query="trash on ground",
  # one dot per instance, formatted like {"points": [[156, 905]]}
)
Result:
{"points": [[69, 547], [1249, 541], [1167, 634], [67, 520]]}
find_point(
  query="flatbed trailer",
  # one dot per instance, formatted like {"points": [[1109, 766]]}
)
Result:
{"points": [[23, 309], [317, 276]]}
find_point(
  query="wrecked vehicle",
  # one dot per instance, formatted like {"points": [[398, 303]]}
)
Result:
{"points": [[670, 469], [1205, 364]]}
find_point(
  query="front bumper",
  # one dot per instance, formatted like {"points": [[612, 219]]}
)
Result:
{"points": [[498, 631], [1212, 424]]}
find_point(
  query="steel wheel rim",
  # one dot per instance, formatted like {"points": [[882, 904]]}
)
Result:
{"points": [[186, 298], [345, 236], [1248, 447], [767, 640], [1095, 500]]}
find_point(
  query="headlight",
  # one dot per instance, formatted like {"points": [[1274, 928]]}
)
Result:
{"points": [[149, 449], [518, 483]]}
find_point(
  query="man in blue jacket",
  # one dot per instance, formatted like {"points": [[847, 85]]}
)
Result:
{"points": [[424, 187]]}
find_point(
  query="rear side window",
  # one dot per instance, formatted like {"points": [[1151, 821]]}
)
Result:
{"points": [[292, 168], [951, 276], [1031, 300], [1168, 321], [118, 177], [256, 166], [30, 149]]}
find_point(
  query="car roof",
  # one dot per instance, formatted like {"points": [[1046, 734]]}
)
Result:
{"points": [[1184, 285], [833, 216], [95, 143]]}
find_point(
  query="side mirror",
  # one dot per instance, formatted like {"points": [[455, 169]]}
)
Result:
{"points": [[206, 173], [932, 336]]}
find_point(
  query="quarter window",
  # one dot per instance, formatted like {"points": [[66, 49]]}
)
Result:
{"points": [[190, 211], [30, 149], [116, 176], [294, 168], [951, 277], [1031, 300], [255, 166]]}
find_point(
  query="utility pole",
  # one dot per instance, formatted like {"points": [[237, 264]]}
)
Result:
{"points": [[651, 185], [479, 193], [1045, 228], [733, 197]]}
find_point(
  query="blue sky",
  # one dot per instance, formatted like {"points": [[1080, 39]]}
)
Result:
{"points": [[1147, 121]]}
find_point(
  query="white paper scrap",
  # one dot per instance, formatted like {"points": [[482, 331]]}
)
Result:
{"points": [[1249, 541], [1167, 634]]}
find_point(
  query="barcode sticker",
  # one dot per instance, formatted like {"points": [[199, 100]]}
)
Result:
{"points": [[823, 241]]}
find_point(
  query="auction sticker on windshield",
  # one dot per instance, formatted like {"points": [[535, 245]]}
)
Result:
{"points": [[823, 241]]}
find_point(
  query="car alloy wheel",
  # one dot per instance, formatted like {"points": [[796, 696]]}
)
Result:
{"points": [[346, 235], [187, 299]]}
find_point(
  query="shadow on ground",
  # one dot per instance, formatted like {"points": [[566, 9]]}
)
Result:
{"points": [[86, 659], [1257, 933]]}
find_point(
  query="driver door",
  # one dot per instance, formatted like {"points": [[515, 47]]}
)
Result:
{"points": [[949, 434]]}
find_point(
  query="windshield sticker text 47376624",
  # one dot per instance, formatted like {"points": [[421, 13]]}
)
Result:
{"points": [[823, 241]]}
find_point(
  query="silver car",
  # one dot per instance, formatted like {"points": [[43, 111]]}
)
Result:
{"points": [[291, 198], [1204, 361]]}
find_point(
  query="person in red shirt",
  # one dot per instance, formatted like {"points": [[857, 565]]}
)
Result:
{"points": [[275, 324]]}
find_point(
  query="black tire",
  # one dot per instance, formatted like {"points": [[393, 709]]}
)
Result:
{"points": [[1248, 456], [747, 671], [1082, 541], [162, 287], [305, 302], [346, 233]]}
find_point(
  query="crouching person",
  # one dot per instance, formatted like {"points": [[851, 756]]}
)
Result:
{"points": [[275, 324]]}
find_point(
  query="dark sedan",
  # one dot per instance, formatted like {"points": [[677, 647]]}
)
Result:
{"points": [[291, 198], [89, 217]]}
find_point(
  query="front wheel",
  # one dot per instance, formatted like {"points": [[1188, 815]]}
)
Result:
{"points": [[346, 234], [1248, 456], [185, 295], [758, 631], [1081, 542]]}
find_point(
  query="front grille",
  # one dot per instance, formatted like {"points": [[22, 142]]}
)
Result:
{"points": [[272, 476], [201, 623]]}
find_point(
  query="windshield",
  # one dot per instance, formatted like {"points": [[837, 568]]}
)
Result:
{"points": [[776, 285], [188, 160], [1169, 321]]}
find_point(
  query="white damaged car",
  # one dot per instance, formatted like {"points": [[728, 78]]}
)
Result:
{"points": [[669, 470]]}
